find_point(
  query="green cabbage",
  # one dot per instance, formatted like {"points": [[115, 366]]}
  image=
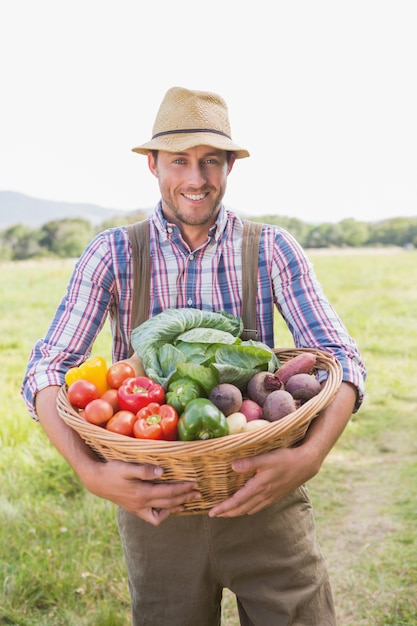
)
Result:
{"points": [[204, 343]]}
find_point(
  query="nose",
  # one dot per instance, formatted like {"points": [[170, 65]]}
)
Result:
{"points": [[196, 175]]}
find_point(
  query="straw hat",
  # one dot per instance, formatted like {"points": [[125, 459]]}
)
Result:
{"points": [[191, 118]]}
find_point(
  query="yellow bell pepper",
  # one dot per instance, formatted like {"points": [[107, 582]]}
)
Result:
{"points": [[93, 369]]}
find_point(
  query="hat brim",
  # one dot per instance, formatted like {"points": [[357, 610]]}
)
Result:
{"points": [[180, 143]]}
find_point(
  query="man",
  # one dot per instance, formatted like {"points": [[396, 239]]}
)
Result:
{"points": [[261, 542]]}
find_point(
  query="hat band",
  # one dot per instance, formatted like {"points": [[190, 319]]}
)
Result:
{"points": [[191, 130]]}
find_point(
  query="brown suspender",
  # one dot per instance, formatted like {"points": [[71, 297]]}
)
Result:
{"points": [[250, 252], [139, 237]]}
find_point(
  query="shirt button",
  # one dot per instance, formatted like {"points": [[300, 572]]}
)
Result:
{"points": [[191, 257], [189, 302], [169, 229]]}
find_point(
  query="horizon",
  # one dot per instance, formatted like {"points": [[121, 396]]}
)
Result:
{"points": [[149, 209]]}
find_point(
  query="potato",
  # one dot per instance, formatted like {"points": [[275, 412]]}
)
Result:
{"points": [[236, 422], [278, 404], [251, 410], [303, 387], [227, 397], [136, 363], [255, 424]]}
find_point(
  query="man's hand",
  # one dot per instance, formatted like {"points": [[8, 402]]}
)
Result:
{"points": [[281, 471], [133, 488], [130, 486], [277, 474]]}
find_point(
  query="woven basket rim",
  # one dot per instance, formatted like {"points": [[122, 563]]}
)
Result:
{"points": [[98, 437]]}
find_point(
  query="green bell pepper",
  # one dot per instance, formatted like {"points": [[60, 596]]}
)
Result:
{"points": [[201, 419], [181, 392]]}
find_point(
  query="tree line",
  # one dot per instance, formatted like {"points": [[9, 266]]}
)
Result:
{"points": [[68, 237]]}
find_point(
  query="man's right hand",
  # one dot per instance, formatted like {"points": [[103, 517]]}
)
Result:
{"points": [[133, 487]]}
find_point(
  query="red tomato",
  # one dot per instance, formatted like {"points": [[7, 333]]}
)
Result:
{"points": [[98, 412], [111, 396], [118, 372], [81, 392], [122, 423]]}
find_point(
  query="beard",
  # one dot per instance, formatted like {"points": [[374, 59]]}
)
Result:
{"points": [[193, 217]]}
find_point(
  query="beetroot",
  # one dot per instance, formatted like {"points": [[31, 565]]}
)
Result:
{"points": [[227, 397], [261, 385], [278, 404], [303, 387]]}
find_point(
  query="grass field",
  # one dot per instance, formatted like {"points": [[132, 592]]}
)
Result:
{"points": [[60, 557]]}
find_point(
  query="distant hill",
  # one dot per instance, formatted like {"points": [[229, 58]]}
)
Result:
{"points": [[17, 208]]}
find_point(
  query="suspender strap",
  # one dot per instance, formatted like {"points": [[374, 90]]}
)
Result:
{"points": [[141, 262], [139, 237], [250, 253]]}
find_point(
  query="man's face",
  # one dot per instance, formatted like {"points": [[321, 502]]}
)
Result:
{"points": [[192, 183]]}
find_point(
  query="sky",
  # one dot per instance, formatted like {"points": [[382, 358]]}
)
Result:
{"points": [[323, 94]]}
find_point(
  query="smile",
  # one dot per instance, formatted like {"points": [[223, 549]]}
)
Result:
{"points": [[199, 196]]}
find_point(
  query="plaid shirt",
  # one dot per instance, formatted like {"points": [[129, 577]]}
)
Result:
{"points": [[207, 278]]}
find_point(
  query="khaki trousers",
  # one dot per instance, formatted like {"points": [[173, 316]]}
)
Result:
{"points": [[271, 561]]}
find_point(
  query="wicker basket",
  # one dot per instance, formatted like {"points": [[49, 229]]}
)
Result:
{"points": [[208, 462]]}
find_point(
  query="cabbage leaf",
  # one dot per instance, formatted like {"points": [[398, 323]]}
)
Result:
{"points": [[203, 345]]}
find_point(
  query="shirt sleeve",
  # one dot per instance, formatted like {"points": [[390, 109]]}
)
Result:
{"points": [[310, 317], [78, 319]]}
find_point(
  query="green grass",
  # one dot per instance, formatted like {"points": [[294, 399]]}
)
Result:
{"points": [[61, 561]]}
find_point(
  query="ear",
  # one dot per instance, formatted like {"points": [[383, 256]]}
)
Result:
{"points": [[152, 164], [231, 163]]}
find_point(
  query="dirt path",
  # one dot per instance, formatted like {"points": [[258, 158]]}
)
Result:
{"points": [[353, 537], [354, 546]]}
